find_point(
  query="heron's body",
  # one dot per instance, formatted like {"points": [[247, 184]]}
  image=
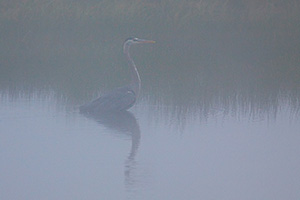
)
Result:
{"points": [[117, 100], [121, 98]]}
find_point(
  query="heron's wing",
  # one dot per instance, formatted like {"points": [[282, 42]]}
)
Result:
{"points": [[120, 99], [117, 100]]}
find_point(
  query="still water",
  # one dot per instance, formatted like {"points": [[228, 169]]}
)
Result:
{"points": [[51, 151]]}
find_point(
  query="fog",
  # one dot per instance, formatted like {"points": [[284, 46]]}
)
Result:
{"points": [[217, 118]]}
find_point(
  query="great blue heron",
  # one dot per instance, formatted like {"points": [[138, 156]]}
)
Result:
{"points": [[124, 97]]}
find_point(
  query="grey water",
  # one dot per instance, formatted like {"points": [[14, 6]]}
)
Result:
{"points": [[146, 153], [206, 126]]}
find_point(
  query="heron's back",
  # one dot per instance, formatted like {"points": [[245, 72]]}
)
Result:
{"points": [[117, 100]]}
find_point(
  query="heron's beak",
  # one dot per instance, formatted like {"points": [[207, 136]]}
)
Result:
{"points": [[146, 41]]}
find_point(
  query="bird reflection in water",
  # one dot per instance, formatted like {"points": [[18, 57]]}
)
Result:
{"points": [[123, 122]]}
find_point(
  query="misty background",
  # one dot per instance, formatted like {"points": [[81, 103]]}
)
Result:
{"points": [[234, 53]]}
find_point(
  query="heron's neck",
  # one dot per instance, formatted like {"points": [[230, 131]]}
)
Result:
{"points": [[135, 77]]}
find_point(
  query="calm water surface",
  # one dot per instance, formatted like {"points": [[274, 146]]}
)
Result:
{"points": [[50, 151]]}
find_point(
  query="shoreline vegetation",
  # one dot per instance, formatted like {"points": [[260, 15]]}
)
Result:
{"points": [[228, 48]]}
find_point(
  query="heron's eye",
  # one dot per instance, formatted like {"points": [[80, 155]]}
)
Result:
{"points": [[135, 39]]}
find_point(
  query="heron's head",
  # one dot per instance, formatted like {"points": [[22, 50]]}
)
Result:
{"points": [[131, 41]]}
